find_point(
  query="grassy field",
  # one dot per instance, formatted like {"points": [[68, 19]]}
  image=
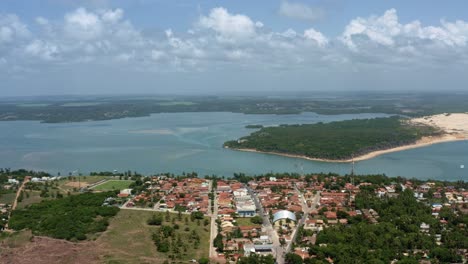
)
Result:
{"points": [[32, 198], [244, 221], [7, 198], [68, 184], [113, 185], [128, 239]]}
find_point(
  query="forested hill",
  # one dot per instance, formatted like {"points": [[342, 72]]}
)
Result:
{"points": [[336, 140]]}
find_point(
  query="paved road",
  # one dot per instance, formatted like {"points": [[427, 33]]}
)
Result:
{"points": [[269, 229], [305, 210], [214, 229]]}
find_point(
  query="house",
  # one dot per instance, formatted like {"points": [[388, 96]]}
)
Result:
{"points": [[13, 181], [424, 227], [330, 215]]}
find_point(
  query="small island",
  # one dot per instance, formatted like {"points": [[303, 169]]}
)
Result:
{"points": [[353, 140]]}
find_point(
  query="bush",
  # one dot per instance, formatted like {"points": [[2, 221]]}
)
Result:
{"points": [[155, 220], [256, 220]]}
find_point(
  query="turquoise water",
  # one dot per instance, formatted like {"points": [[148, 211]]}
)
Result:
{"points": [[181, 142]]}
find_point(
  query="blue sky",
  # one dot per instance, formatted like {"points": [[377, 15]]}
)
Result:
{"points": [[176, 46]]}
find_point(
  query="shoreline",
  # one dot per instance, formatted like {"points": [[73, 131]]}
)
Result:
{"points": [[423, 142]]}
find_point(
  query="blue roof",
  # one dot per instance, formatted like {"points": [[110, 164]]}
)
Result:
{"points": [[284, 214]]}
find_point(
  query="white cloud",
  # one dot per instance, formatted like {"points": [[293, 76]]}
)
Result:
{"points": [[222, 39], [386, 30], [301, 11], [112, 16], [41, 49], [316, 36], [11, 28], [83, 25], [380, 30], [230, 27]]}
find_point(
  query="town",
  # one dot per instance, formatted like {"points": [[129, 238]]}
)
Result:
{"points": [[288, 218]]}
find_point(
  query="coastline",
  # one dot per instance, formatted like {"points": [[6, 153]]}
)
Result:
{"points": [[423, 142]]}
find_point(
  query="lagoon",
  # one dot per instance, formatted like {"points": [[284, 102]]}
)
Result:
{"points": [[178, 142]]}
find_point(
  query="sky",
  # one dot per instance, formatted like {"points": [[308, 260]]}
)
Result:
{"points": [[57, 47]]}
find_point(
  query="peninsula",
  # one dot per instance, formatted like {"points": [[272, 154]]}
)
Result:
{"points": [[345, 141]]}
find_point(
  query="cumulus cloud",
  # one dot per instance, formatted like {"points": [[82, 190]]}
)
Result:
{"points": [[112, 16], [230, 27], [83, 25], [316, 36], [221, 38], [386, 30], [301, 11], [41, 49], [12, 28]]}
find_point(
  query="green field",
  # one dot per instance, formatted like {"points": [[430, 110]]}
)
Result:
{"points": [[113, 185], [7, 198], [128, 239], [244, 221]]}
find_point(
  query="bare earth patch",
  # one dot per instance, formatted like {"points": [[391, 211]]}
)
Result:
{"points": [[44, 250], [77, 184]]}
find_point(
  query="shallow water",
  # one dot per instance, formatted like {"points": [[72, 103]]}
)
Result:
{"points": [[180, 142]]}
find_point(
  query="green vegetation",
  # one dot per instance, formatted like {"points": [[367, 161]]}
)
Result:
{"points": [[171, 103], [76, 109], [7, 196], [113, 185], [254, 126], [19, 174], [397, 233], [70, 218], [256, 259], [129, 238], [258, 220], [335, 140]]}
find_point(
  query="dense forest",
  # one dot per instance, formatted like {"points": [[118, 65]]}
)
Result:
{"points": [[77, 109], [336, 140], [72, 218]]}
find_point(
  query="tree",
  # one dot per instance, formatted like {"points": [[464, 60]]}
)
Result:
{"points": [[218, 243], [155, 220], [196, 215], [256, 259], [256, 220], [168, 216], [341, 214], [204, 260], [292, 258]]}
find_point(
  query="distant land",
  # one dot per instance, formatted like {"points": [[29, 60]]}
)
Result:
{"points": [[354, 140], [88, 108]]}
